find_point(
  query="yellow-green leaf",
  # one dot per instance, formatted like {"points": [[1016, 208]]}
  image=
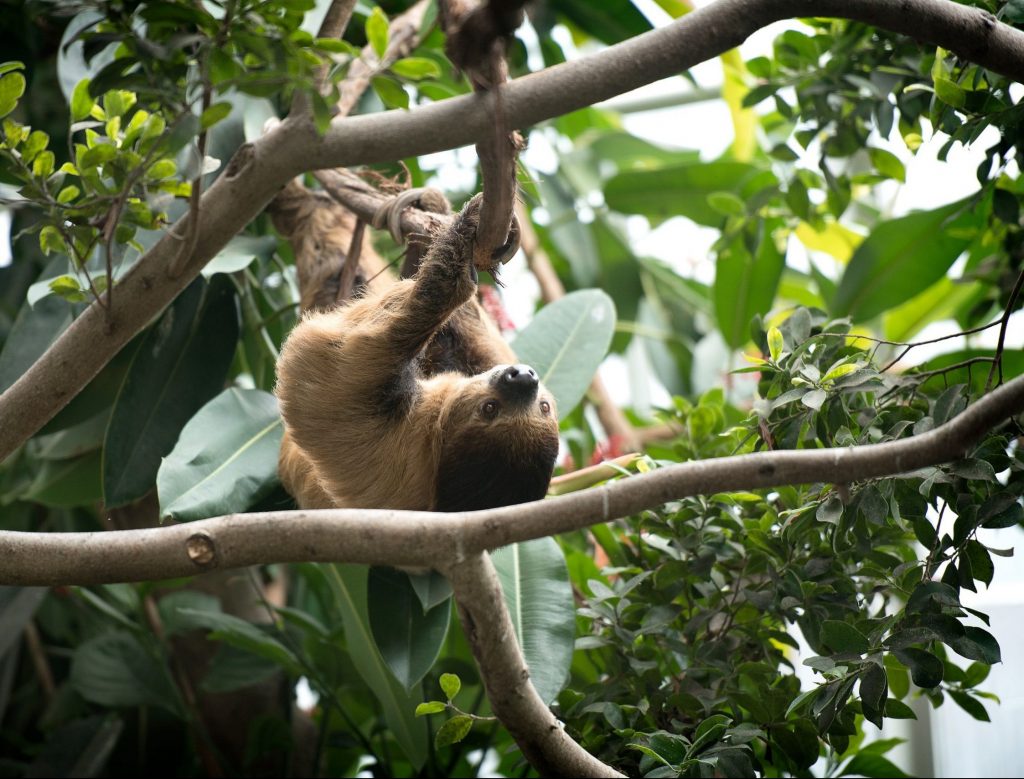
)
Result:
{"points": [[453, 731], [81, 100], [775, 343], [430, 707], [12, 87], [68, 194], [833, 239], [450, 684], [214, 114], [377, 31]]}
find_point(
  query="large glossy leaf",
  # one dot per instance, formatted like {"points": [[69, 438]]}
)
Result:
{"points": [[32, 333], [679, 190], [939, 301], [180, 365], [902, 257], [610, 21], [225, 458], [745, 284], [408, 638], [67, 483], [566, 342], [17, 606], [535, 580], [114, 669], [348, 586]]}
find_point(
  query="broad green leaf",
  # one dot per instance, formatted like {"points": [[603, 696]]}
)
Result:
{"points": [[214, 114], [348, 585], [239, 254], [453, 731], [610, 21], [833, 238], [416, 68], [17, 607], [234, 668], [67, 483], [888, 164], [430, 707], [745, 285], [409, 640], [775, 343], [871, 765], [390, 91], [377, 30], [539, 597], [431, 588], [114, 669], [450, 684], [925, 668], [977, 644], [843, 637], [241, 634], [939, 301], [970, 704], [225, 458], [180, 365], [12, 87], [566, 342], [744, 120], [900, 258], [678, 190], [34, 329]]}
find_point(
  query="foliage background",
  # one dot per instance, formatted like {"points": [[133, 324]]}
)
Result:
{"points": [[686, 617]]}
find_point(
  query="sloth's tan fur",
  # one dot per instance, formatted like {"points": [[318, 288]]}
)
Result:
{"points": [[388, 401]]}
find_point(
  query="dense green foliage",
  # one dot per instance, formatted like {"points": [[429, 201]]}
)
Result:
{"points": [[667, 643]]}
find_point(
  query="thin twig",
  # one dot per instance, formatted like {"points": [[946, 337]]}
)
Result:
{"points": [[1004, 321]]}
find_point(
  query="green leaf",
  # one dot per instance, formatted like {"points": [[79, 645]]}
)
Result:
{"points": [[925, 668], [181, 365], [235, 669], [610, 21], [239, 254], [17, 607], [843, 637], [377, 31], [348, 585], [390, 91], [678, 190], [431, 588], [566, 342], [899, 259], [977, 644], [888, 164], [416, 68], [242, 635], [745, 284], [727, 203], [430, 707], [453, 731], [214, 114], [539, 597], [162, 169], [951, 93], [67, 287], [970, 704], [67, 194], [871, 765], [34, 329], [225, 459], [409, 640], [12, 87], [775, 343], [450, 684], [114, 669]]}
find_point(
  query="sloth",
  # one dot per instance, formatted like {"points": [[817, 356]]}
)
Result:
{"points": [[409, 398]]}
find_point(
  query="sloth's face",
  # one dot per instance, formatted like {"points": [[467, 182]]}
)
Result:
{"points": [[499, 440]]}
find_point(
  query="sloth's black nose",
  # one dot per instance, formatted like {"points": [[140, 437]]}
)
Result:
{"points": [[518, 382]]}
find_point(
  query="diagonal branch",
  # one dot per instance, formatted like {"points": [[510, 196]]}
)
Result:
{"points": [[491, 636], [259, 169], [419, 538]]}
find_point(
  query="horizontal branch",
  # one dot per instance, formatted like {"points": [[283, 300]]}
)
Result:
{"points": [[259, 169], [418, 538]]}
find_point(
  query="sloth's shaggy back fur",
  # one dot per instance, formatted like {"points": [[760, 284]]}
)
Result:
{"points": [[401, 398]]}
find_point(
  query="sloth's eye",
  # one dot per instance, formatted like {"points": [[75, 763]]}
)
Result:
{"points": [[545, 407], [489, 409]]}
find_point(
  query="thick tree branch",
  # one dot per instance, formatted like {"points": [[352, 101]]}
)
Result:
{"points": [[416, 539], [489, 630], [259, 169]]}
